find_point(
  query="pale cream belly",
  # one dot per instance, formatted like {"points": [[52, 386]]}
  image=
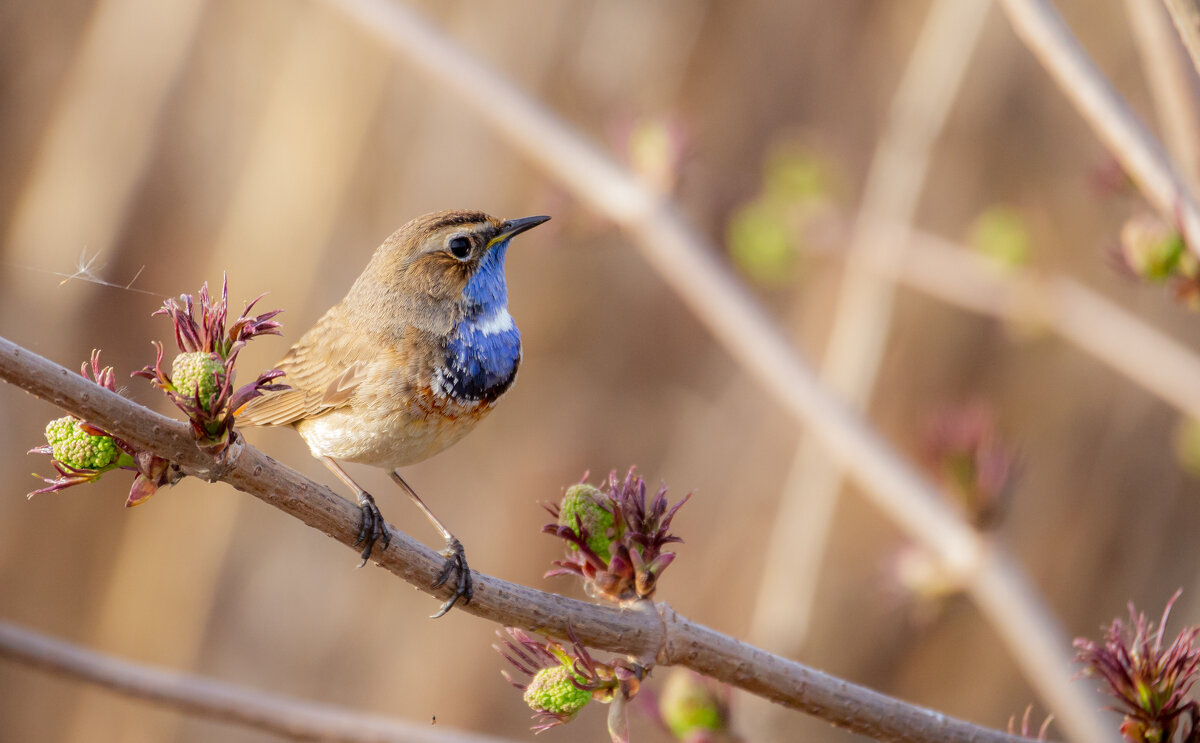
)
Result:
{"points": [[388, 441]]}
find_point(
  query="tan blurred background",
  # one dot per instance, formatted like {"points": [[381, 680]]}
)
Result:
{"points": [[274, 140]]}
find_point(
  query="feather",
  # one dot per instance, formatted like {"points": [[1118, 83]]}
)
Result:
{"points": [[324, 370]]}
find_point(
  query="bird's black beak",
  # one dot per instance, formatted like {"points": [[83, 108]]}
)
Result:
{"points": [[514, 227]]}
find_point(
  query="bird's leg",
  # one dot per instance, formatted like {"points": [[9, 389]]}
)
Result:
{"points": [[372, 528], [456, 556]]}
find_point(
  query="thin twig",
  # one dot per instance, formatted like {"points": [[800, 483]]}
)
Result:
{"points": [[895, 180], [655, 632], [1171, 83], [1050, 39], [216, 700], [686, 261]]}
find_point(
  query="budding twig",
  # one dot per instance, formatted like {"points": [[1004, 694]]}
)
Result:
{"points": [[663, 634]]}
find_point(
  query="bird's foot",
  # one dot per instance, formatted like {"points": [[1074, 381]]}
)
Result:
{"points": [[373, 527], [456, 562]]}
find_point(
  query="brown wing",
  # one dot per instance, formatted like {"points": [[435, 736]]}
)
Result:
{"points": [[323, 369]]}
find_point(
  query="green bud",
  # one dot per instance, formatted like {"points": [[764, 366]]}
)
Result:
{"points": [[587, 503], [77, 448], [1151, 248], [762, 244], [793, 174], [551, 691], [1000, 235], [688, 705], [198, 370]]}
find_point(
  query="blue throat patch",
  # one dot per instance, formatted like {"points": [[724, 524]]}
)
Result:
{"points": [[484, 349]]}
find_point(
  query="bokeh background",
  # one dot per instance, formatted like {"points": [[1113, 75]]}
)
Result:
{"points": [[161, 143]]}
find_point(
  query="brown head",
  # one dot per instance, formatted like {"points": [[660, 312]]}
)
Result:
{"points": [[420, 275]]}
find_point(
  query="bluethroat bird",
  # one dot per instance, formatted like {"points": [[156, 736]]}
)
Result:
{"points": [[417, 353]]}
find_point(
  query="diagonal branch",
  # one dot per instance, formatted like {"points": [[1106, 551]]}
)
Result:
{"points": [[654, 632]]}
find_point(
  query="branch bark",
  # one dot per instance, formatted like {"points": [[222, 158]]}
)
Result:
{"points": [[653, 632]]}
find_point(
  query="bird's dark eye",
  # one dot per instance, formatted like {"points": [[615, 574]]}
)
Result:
{"points": [[460, 247]]}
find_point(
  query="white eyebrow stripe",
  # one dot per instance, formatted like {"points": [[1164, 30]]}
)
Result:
{"points": [[498, 322]]}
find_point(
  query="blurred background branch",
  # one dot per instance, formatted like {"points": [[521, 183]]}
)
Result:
{"points": [[287, 717], [1046, 34], [1171, 84], [1030, 302], [858, 335]]}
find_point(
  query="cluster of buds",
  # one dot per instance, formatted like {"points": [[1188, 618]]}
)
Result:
{"points": [[974, 465], [614, 541], [202, 374], [200, 383], [562, 682], [1150, 683], [81, 452], [1153, 251]]}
